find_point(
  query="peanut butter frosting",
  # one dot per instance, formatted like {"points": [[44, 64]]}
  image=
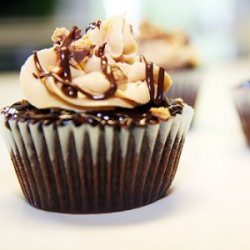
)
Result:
{"points": [[100, 69], [169, 49]]}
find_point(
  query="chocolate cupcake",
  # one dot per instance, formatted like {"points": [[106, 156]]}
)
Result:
{"points": [[95, 133], [241, 96], [174, 52]]}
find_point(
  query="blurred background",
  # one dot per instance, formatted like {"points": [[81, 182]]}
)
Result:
{"points": [[220, 29]]}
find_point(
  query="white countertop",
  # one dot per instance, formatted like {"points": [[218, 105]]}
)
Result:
{"points": [[208, 208]]}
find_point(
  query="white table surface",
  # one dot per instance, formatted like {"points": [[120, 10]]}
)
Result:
{"points": [[208, 208]]}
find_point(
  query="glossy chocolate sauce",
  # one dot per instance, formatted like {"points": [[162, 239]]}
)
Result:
{"points": [[74, 35], [64, 54], [139, 116], [93, 25], [64, 76]]}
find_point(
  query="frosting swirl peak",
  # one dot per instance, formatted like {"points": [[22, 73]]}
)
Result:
{"points": [[100, 69]]}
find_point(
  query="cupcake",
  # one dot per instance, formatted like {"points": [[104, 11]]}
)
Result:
{"points": [[174, 52], [241, 96], [95, 133]]}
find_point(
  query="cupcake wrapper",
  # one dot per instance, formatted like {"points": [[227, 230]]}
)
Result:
{"points": [[242, 101], [186, 85], [95, 169]]}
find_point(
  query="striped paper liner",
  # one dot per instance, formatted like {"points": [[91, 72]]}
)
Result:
{"points": [[95, 169]]}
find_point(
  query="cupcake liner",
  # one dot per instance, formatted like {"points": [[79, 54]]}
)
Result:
{"points": [[95, 169], [186, 85], [241, 99]]}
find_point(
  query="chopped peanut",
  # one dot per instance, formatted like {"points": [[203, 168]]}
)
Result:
{"points": [[84, 48], [179, 100], [118, 74], [83, 43], [59, 34], [162, 113]]}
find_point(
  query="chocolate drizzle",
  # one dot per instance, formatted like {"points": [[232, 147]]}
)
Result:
{"points": [[93, 25], [38, 65], [158, 98], [150, 80], [63, 77], [69, 91], [74, 35], [64, 64], [160, 86], [139, 116], [64, 54], [107, 71], [100, 51]]}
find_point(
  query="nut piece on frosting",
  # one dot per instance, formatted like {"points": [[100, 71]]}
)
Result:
{"points": [[119, 75], [100, 68], [179, 101], [59, 34], [83, 43], [161, 112]]}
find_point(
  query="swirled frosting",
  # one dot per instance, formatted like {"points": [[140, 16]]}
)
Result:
{"points": [[171, 50], [100, 69]]}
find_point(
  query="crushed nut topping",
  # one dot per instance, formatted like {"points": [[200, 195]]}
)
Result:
{"points": [[161, 112], [179, 101], [119, 75], [82, 49], [83, 43], [59, 34]]}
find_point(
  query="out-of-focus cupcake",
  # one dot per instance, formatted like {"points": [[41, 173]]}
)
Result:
{"points": [[96, 133], [241, 97], [173, 51]]}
